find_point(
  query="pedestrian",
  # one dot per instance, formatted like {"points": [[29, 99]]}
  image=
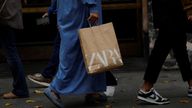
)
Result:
{"points": [[10, 21], [171, 20], [72, 77], [45, 77]]}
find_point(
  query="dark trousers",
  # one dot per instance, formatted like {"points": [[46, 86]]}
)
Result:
{"points": [[168, 39], [51, 68], [7, 42]]}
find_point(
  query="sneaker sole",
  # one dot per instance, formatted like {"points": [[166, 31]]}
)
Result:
{"points": [[153, 102], [38, 82]]}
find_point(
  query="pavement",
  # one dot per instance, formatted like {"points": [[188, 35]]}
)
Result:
{"points": [[129, 78]]}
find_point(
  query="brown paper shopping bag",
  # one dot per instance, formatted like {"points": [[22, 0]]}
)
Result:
{"points": [[100, 48]]}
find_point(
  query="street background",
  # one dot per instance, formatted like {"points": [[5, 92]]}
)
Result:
{"points": [[129, 78]]}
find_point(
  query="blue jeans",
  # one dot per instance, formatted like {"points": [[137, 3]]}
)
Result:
{"points": [[7, 42], [51, 68]]}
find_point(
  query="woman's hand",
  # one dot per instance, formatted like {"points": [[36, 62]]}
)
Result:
{"points": [[93, 18]]}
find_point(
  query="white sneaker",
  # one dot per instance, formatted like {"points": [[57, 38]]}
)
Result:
{"points": [[152, 97], [110, 91]]}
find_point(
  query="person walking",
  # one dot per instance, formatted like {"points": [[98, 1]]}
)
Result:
{"points": [[45, 77], [72, 77], [10, 21], [171, 20]]}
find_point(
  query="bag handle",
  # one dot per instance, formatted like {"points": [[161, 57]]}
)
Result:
{"points": [[91, 25], [3, 5]]}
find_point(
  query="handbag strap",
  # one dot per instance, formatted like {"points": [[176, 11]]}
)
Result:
{"points": [[3, 5]]}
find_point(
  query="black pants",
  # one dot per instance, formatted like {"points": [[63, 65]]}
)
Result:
{"points": [[167, 40], [110, 79]]}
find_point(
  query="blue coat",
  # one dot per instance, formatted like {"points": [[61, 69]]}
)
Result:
{"points": [[72, 77]]}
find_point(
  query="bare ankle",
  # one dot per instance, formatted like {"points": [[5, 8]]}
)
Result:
{"points": [[147, 86], [190, 83]]}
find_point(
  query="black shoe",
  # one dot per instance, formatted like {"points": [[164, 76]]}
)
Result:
{"points": [[152, 97], [55, 99], [39, 79]]}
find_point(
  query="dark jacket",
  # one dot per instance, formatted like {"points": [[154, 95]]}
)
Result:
{"points": [[11, 15], [169, 14]]}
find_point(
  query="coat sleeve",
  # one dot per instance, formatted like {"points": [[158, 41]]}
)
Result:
{"points": [[92, 4], [53, 7]]}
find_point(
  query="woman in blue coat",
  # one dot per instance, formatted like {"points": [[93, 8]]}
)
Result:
{"points": [[72, 77]]}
